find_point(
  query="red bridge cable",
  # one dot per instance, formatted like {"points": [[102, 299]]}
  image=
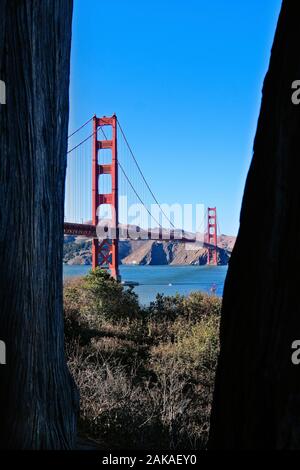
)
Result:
{"points": [[139, 168], [131, 185], [140, 199]]}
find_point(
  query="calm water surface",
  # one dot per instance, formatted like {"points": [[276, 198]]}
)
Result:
{"points": [[167, 280]]}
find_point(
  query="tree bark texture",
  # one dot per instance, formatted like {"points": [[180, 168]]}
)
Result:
{"points": [[257, 392], [38, 399]]}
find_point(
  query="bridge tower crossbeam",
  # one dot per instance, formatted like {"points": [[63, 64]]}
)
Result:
{"points": [[105, 252], [212, 241]]}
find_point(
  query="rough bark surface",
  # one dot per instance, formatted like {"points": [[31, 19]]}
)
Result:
{"points": [[257, 394], [38, 399]]}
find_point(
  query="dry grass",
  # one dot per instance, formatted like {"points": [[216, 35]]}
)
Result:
{"points": [[146, 380]]}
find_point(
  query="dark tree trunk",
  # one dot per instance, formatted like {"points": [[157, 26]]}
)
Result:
{"points": [[257, 394], [38, 399]]}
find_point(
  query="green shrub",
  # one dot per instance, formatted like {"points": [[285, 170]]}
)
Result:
{"points": [[192, 307], [97, 298], [111, 301], [198, 305], [194, 344]]}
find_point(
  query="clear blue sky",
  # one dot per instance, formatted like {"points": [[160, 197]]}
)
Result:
{"points": [[185, 79]]}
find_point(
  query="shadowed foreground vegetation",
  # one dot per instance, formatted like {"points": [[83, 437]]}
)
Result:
{"points": [[145, 375]]}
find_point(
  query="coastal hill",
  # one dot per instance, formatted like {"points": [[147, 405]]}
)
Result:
{"points": [[77, 250]]}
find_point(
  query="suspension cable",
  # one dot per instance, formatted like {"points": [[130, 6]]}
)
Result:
{"points": [[132, 187], [81, 127], [137, 195], [123, 171], [82, 142], [141, 173]]}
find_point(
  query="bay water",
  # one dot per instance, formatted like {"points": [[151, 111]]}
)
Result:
{"points": [[167, 280]]}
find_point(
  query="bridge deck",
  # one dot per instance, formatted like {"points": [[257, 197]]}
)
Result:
{"points": [[89, 231]]}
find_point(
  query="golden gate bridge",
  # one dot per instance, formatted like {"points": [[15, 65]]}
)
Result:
{"points": [[100, 185]]}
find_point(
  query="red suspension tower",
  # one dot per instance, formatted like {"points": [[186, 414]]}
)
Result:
{"points": [[212, 254], [105, 250]]}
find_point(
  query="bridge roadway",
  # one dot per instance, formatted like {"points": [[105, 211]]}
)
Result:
{"points": [[89, 231]]}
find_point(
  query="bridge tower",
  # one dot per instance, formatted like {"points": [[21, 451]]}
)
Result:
{"points": [[212, 254], [105, 250]]}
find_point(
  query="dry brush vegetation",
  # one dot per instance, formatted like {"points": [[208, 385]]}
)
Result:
{"points": [[145, 375]]}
